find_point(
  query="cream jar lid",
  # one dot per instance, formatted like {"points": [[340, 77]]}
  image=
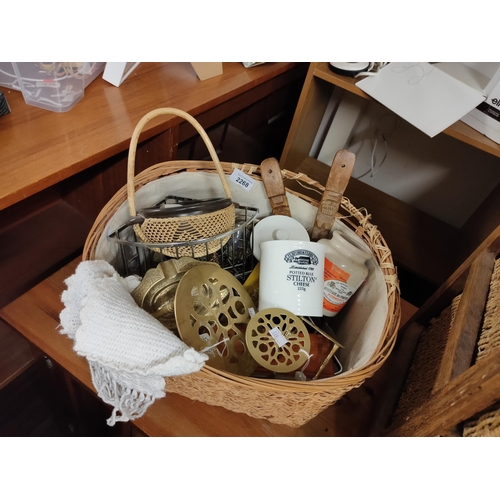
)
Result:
{"points": [[277, 227]]}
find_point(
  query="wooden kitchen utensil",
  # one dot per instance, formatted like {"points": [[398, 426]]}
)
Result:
{"points": [[340, 173], [275, 188]]}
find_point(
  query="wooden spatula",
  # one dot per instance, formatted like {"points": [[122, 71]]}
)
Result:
{"points": [[339, 176], [273, 182]]}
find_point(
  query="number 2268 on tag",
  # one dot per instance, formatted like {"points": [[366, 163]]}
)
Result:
{"points": [[241, 179]]}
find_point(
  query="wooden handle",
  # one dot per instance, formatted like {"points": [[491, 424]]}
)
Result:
{"points": [[133, 149], [340, 173], [275, 188]]}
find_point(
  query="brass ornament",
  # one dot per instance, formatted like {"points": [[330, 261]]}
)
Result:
{"points": [[156, 292], [212, 310], [278, 354]]}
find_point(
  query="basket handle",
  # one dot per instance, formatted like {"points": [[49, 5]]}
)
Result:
{"points": [[133, 149]]}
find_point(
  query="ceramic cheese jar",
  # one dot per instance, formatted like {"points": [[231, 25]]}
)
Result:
{"points": [[345, 271]]}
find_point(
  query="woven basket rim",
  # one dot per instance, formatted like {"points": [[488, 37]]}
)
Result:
{"points": [[357, 218]]}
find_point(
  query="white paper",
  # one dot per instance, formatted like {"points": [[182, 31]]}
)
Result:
{"points": [[422, 94]]}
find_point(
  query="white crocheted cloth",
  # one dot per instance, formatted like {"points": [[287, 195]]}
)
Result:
{"points": [[129, 352]]}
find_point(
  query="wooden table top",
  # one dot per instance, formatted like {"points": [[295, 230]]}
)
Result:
{"points": [[39, 148], [36, 316]]}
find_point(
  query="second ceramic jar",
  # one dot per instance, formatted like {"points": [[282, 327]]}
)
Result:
{"points": [[345, 271]]}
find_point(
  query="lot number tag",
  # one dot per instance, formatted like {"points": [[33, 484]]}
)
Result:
{"points": [[241, 179], [278, 336]]}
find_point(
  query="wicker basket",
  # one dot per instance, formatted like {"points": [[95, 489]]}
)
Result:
{"points": [[292, 403], [280, 401], [187, 228]]}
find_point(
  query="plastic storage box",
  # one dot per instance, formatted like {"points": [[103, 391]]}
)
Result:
{"points": [[56, 86]]}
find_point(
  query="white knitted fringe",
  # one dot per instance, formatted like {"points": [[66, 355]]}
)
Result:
{"points": [[128, 404]]}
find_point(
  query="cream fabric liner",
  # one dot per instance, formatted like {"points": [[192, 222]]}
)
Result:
{"points": [[359, 327]]}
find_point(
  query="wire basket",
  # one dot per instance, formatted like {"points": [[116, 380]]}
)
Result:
{"points": [[234, 247]]}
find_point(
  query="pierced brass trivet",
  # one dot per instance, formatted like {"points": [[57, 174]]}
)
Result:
{"points": [[278, 340], [156, 292], [212, 310]]}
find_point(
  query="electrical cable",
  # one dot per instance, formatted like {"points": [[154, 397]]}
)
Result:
{"points": [[56, 72], [62, 71], [35, 79], [372, 168], [383, 136]]}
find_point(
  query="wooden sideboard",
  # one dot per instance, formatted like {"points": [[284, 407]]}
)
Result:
{"points": [[57, 170], [40, 148]]}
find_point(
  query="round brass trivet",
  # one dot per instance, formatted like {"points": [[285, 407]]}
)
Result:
{"points": [[156, 292], [212, 312], [266, 350]]}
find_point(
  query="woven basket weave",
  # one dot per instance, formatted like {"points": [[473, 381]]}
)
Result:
{"points": [[280, 401], [187, 228], [420, 383], [488, 423]]}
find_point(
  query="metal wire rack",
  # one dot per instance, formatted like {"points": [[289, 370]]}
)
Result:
{"points": [[234, 255]]}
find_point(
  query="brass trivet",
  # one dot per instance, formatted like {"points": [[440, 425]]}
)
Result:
{"points": [[212, 310], [156, 292], [280, 355]]}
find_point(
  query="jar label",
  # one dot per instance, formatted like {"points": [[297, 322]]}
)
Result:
{"points": [[336, 291]]}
